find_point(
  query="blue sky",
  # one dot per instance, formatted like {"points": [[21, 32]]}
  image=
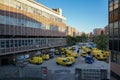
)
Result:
{"points": [[84, 15]]}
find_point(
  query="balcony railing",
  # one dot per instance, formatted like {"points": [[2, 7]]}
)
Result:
{"points": [[4, 51]]}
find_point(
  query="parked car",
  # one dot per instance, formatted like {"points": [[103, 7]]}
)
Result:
{"points": [[36, 60], [83, 54], [100, 56], [51, 54], [94, 51], [73, 48], [72, 59], [89, 59], [45, 56], [82, 47], [107, 53], [57, 52], [71, 54], [85, 49], [63, 61], [63, 50]]}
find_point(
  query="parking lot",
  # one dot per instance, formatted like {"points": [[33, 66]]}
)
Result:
{"points": [[79, 63], [59, 72]]}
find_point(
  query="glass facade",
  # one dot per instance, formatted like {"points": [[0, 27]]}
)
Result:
{"points": [[114, 36], [29, 43], [114, 27], [11, 43]]}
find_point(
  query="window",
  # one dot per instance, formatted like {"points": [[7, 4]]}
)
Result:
{"points": [[23, 42], [26, 43], [53, 28], [7, 44], [116, 24], [119, 45], [19, 43], [116, 15], [31, 42], [113, 57], [116, 45], [118, 58], [43, 26], [115, 4], [119, 24], [16, 43], [111, 33], [116, 32], [39, 12], [44, 14], [18, 5], [11, 43], [111, 16], [2, 44], [24, 7], [2, 19], [110, 44]]}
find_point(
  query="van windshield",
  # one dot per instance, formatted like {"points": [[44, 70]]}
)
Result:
{"points": [[67, 60]]}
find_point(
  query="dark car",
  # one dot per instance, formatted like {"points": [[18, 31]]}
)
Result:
{"points": [[73, 48], [89, 59], [51, 54]]}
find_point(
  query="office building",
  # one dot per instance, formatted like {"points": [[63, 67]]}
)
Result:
{"points": [[27, 26], [114, 38]]}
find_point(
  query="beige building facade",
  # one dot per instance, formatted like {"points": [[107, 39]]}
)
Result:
{"points": [[27, 26], [70, 31]]}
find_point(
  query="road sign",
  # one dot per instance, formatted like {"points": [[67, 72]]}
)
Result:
{"points": [[44, 73]]}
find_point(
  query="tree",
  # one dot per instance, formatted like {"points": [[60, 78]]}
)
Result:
{"points": [[73, 40], [83, 37], [70, 40], [101, 42]]}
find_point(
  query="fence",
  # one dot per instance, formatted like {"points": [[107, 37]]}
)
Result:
{"points": [[60, 75], [90, 74], [11, 72]]}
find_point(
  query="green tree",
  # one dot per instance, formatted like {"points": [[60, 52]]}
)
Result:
{"points": [[70, 40], [83, 37], [73, 40], [101, 42]]}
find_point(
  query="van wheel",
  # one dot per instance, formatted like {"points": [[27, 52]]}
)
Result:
{"points": [[57, 63]]}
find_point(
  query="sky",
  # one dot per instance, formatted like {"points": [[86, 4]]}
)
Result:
{"points": [[84, 15]]}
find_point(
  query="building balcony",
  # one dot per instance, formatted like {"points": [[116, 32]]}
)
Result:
{"points": [[6, 51]]}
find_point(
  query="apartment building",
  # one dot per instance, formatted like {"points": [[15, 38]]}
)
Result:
{"points": [[98, 31], [71, 31], [27, 26], [105, 31], [114, 38]]}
